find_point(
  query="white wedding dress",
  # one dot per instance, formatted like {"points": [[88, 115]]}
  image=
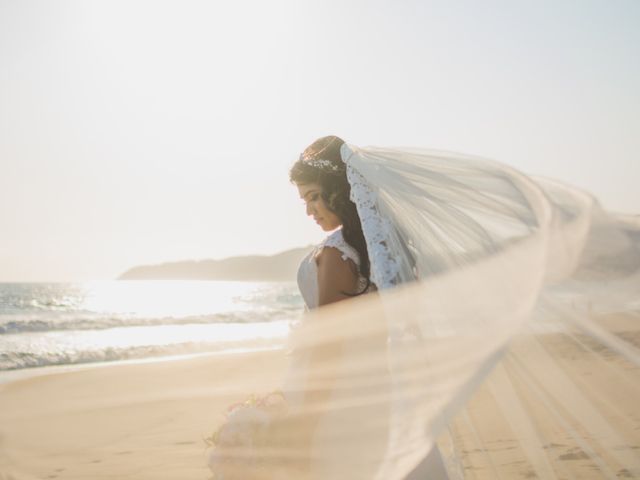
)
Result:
{"points": [[326, 450], [329, 453]]}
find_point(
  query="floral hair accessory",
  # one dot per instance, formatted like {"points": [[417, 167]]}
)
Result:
{"points": [[322, 164]]}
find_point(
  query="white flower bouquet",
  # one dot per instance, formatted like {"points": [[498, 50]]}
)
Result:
{"points": [[239, 445]]}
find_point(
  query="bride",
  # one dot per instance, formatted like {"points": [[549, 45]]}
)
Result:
{"points": [[447, 276], [339, 267]]}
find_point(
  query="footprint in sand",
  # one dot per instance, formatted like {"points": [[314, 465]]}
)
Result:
{"points": [[577, 455], [52, 475]]}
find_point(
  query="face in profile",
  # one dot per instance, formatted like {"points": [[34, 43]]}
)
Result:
{"points": [[311, 193]]}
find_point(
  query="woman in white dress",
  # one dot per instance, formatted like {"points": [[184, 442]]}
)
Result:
{"points": [[477, 267], [337, 269], [445, 274]]}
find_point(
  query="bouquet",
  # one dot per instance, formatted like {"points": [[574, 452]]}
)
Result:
{"points": [[239, 445]]}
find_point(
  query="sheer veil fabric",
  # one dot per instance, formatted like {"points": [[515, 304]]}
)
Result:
{"points": [[505, 330]]}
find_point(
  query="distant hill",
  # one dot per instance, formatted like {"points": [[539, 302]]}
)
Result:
{"points": [[282, 266]]}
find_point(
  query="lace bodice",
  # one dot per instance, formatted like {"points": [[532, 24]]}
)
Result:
{"points": [[308, 270]]}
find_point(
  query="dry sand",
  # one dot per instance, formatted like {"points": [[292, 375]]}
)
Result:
{"points": [[131, 421], [539, 398], [148, 420]]}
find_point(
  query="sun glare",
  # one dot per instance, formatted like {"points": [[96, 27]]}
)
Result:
{"points": [[167, 298]]}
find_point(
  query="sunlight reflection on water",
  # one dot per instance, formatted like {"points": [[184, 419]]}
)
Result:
{"points": [[61, 324], [175, 298]]}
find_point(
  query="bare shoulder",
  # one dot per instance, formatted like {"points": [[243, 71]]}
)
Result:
{"points": [[336, 275], [333, 258]]}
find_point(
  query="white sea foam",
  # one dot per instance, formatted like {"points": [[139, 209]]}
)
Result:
{"points": [[16, 323], [74, 347]]}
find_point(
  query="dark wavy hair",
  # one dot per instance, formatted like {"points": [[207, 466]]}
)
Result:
{"points": [[331, 175]]}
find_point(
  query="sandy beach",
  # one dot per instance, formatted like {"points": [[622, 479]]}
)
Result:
{"points": [[148, 420], [527, 391], [142, 421]]}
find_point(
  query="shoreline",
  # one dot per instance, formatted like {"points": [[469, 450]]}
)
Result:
{"points": [[8, 377]]}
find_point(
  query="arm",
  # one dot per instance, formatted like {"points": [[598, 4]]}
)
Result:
{"points": [[335, 276]]}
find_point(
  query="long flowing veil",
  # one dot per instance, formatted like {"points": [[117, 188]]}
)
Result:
{"points": [[505, 329]]}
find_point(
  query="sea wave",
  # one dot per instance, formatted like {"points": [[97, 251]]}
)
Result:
{"points": [[13, 324], [22, 360]]}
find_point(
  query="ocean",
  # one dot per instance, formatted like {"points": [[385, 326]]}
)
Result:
{"points": [[45, 324]]}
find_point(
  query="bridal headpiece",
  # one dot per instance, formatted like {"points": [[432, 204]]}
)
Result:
{"points": [[322, 164]]}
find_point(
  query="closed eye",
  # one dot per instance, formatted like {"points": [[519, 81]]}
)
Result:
{"points": [[311, 197]]}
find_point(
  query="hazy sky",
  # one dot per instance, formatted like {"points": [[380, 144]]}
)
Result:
{"points": [[140, 132]]}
